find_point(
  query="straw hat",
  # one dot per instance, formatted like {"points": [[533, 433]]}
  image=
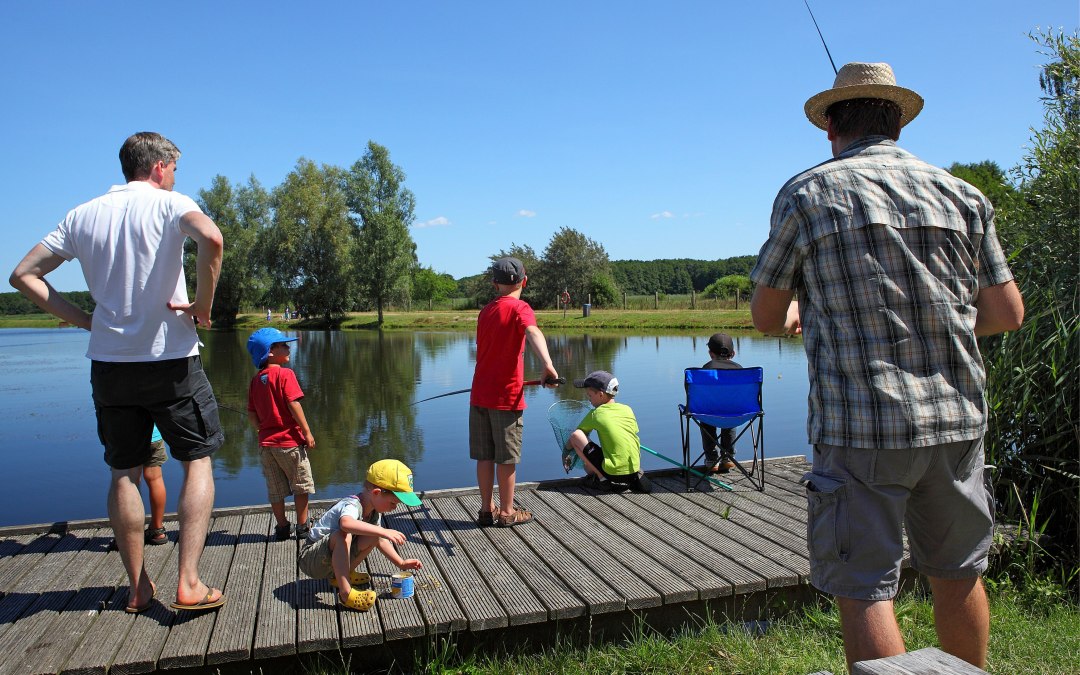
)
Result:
{"points": [[864, 80]]}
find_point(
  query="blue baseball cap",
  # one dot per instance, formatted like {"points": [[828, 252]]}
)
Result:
{"points": [[260, 341]]}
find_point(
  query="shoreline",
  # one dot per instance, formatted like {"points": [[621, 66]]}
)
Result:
{"points": [[683, 320]]}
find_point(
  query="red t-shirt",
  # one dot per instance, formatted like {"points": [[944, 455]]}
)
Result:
{"points": [[500, 348], [268, 396]]}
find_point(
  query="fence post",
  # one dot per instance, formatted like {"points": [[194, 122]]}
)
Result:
{"points": [[656, 300], [693, 299], [624, 300], [736, 299]]}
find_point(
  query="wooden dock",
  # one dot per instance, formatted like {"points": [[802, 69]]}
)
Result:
{"points": [[590, 563]]}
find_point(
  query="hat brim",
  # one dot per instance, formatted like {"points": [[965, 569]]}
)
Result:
{"points": [[910, 103], [408, 498], [580, 384]]}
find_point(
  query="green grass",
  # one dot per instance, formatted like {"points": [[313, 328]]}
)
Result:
{"points": [[700, 320], [1025, 638]]}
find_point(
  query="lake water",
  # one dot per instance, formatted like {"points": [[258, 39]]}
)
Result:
{"points": [[358, 389]]}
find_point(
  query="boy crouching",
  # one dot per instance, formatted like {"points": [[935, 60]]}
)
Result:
{"points": [[344, 536]]}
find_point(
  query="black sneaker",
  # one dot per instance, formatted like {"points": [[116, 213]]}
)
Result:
{"points": [[302, 531], [283, 532]]}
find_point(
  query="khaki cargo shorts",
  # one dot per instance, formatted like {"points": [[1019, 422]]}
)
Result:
{"points": [[495, 435], [287, 472]]}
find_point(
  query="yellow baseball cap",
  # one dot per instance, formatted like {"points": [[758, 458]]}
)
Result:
{"points": [[392, 475]]}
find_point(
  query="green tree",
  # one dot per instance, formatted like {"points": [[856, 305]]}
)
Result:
{"points": [[988, 177], [1034, 372], [382, 210], [572, 262], [309, 248], [242, 214], [429, 285], [726, 287]]}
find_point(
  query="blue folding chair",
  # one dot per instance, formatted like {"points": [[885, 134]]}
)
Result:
{"points": [[725, 399]]}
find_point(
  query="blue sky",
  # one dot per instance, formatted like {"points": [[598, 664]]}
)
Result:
{"points": [[661, 130]]}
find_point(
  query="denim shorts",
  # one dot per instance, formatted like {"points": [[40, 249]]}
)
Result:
{"points": [[860, 501], [495, 435], [130, 398]]}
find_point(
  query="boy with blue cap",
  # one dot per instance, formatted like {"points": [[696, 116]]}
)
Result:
{"points": [[284, 435]]}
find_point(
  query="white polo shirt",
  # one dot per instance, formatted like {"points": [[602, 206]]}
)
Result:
{"points": [[129, 244]]}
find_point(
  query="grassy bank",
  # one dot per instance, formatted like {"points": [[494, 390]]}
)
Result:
{"points": [[616, 319], [707, 321], [1026, 637]]}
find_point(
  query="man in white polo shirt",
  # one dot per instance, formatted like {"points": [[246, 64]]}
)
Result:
{"points": [[144, 349]]}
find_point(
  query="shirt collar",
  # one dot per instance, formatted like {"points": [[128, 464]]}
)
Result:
{"points": [[133, 185], [865, 142]]}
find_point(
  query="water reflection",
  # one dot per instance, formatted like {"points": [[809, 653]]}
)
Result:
{"points": [[359, 389]]}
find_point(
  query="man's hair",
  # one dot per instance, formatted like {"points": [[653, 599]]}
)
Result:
{"points": [[859, 117], [142, 151]]}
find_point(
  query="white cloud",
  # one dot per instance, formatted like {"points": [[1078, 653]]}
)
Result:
{"points": [[434, 222], [526, 213], [662, 214]]}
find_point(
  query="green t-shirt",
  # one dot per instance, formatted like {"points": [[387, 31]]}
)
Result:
{"points": [[617, 429]]}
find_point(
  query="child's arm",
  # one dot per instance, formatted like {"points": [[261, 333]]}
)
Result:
{"points": [[392, 555], [536, 340], [298, 415]]}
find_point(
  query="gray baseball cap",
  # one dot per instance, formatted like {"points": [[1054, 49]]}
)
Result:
{"points": [[507, 271], [601, 380]]}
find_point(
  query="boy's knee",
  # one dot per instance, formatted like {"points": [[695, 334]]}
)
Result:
{"points": [[578, 439]]}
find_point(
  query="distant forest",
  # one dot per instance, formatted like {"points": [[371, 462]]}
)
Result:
{"points": [[633, 277], [678, 276], [14, 303]]}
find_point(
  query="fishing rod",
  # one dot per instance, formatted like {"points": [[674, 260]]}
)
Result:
{"points": [[827, 53], [693, 471], [547, 381]]}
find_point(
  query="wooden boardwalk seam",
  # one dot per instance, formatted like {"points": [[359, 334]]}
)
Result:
{"points": [[588, 554]]}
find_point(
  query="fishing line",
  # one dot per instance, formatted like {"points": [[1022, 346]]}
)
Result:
{"points": [[827, 53]]}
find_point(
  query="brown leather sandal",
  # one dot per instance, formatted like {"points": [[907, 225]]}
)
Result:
{"points": [[518, 517]]}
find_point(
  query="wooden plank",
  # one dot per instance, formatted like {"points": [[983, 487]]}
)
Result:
{"points": [[22, 561], [39, 578], [670, 587], [400, 617], [479, 607], [784, 522], [33, 637], [275, 627], [675, 558], [235, 627], [357, 628], [10, 546], [557, 596], [187, 642], [438, 607], [317, 626], [746, 569], [634, 592], [104, 576], [730, 528], [930, 660], [129, 643], [580, 577], [517, 599]]}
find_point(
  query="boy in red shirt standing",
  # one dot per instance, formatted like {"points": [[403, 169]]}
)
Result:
{"points": [[284, 436], [497, 399]]}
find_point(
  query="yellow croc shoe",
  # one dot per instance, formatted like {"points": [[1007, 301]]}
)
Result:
{"points": [[361, 601], [355, 579]]}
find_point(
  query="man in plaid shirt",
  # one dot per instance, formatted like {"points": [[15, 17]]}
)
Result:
{"points": [[897, 268]]}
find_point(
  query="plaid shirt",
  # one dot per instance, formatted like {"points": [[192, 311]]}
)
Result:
{"points": [[887, 254]]}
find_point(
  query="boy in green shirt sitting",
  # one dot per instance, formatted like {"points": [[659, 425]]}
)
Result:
{"points": [[614, 464]]}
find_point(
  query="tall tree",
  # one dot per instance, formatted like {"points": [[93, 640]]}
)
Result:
{"points": [[575, 263], [309, 248], [242, 213], [382, 210]]}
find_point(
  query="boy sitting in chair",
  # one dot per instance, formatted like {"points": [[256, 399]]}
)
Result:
{"points": [[615, 463], [721, 350]]}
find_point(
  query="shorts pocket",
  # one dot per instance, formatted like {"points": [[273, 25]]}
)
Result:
{"points": [[827, 528]]}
